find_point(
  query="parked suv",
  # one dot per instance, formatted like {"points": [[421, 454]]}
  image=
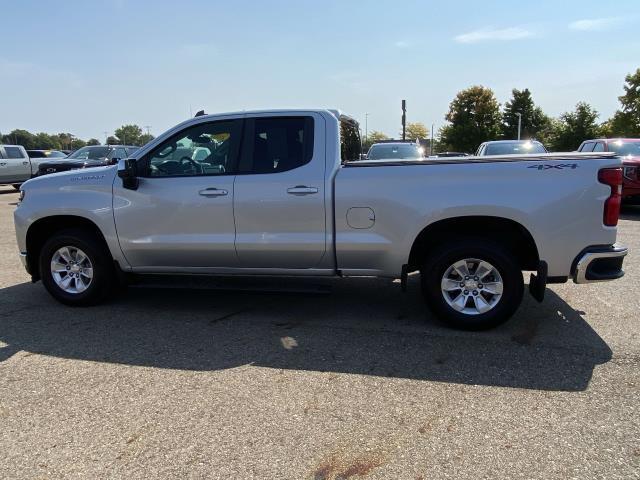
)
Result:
{"points": [[89, 156], [629, 150]]}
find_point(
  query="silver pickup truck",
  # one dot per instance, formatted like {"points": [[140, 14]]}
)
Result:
{"points": [[281, 193]]}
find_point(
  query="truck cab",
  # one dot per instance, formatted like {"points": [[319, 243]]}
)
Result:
{"points": [[15, 166]]}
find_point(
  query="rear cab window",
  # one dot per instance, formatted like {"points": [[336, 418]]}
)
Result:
{"points": [[587, 147]]}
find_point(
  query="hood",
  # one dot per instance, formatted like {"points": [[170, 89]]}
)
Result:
{"points": [[631, 160], [84, 177], [76, 162]]}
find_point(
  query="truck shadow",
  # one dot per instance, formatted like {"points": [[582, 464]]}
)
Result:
{"points": [[364, 326], [630, 212]]}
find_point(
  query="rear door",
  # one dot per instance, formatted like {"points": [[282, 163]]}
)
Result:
{"points": [[279, 193], [17, 167]]}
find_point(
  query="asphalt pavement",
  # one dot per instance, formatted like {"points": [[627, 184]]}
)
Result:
{"points": [[333, 379]]}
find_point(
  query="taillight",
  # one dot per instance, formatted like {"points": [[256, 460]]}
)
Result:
{"points": [[613, 178]]}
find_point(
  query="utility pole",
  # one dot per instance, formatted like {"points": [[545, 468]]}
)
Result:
{"points": [[431, 142], [366, 127], [106, 138], [404, 119], [519, 123], [148, 129]]}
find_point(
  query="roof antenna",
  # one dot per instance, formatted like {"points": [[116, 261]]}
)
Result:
{"points": [[200, 113]]}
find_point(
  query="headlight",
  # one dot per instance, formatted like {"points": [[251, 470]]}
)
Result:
{"points": [[21, 197]]}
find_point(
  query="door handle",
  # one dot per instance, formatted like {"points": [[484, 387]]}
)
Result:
{"points": [[213, 192], [302, 190]]}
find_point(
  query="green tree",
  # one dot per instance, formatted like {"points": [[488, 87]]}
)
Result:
{"points": [[93, 141], [145, 138], [20, 137], [416, 130], [474, 117], [572, 128], [626, 122], [374, 137], [631, 99], [77, 143], [533, 119], [111, 140], [129, 134]]}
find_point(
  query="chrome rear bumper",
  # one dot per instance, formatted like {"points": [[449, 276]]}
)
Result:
{"points": [[599, 264]]}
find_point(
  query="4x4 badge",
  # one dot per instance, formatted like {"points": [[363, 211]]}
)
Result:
{"points": [[561, 166]]}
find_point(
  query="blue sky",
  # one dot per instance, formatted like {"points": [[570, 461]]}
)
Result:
{"points": [[88, 67]]}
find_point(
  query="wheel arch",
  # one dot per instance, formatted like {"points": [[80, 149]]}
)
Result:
{"points": [[42, 229], [504, 231]]}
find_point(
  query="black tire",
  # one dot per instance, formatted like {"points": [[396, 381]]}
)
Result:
{"points": [[504, 262], [16, 186], [103, 280]]}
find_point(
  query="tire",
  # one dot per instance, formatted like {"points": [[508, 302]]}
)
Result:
{"points": [[481, 307], [16, 186], [89, 290]]}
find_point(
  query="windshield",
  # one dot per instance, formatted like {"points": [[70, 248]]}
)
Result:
{"points": [[91, 153], [391, 150], [511, 148], [625, 148]]}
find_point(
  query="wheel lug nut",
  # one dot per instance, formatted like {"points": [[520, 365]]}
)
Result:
{"points": [[475, 292], [476, 278], [462, 284], [466, 278], [466, 292], [479, 285]]}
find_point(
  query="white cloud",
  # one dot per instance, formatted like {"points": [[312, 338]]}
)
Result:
{"points": [[595, 24], [492, 34]]}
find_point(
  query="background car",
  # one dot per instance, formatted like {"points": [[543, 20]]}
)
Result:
{"points": [[510, 147], [379, 151], [46, 154], [629, 150], [85, 157]]}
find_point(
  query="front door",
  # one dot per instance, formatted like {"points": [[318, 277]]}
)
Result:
{"points": [[181, 215], [279, 194]]}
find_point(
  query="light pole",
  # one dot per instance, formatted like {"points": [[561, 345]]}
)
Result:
{"points": [[519, 123]]}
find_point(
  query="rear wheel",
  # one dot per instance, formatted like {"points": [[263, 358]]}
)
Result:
{"points": [[472, 285], [76, 268]]}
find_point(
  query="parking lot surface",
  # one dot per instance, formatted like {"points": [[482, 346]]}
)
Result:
{"points": [[316, 380]]}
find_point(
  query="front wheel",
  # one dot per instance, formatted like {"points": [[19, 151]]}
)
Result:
{"points": [[473, 285], [76, 268]]}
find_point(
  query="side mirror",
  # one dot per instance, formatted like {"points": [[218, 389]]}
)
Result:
{"points": [[114, 161], [128, 172]]}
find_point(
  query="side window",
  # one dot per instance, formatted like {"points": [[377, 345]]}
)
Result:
{"points": [[119, 153], [599, 147], [587, 147], [277, 144], [132, 150], [203, 149], [13, 152]]}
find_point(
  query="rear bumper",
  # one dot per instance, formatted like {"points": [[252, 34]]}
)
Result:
{"points": [[599, 264]]}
